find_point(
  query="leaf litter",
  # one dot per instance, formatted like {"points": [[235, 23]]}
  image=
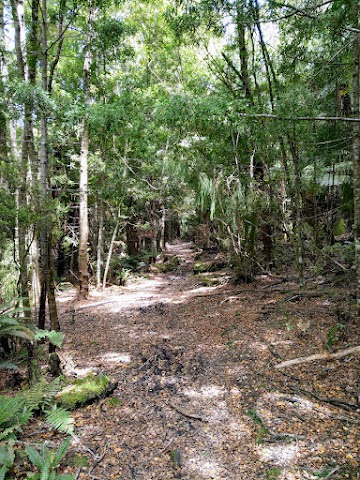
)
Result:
{"points": [[198, 397]]}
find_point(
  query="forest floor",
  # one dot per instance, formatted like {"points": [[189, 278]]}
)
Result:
{"points": [[198, 393]]}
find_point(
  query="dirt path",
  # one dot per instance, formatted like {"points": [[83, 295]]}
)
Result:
{"points": [[197, 396]]}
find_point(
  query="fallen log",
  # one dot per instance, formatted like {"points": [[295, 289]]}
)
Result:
{"points": [[320, 356]]}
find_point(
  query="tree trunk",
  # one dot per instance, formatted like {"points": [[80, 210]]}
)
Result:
{"points": [[111, 247], [44, 227], [356, 145], [84, 154], [100, 243]]}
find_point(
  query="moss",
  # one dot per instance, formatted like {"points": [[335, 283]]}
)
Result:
{"points": [[85, 391], [170, 264], [273, 473], [201, 267]]}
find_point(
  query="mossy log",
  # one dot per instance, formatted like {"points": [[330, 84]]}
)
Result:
{"points": [[84, 391]]}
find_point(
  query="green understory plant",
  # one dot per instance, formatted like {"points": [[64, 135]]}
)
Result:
{"points": [[7, 458], [47, 461]]}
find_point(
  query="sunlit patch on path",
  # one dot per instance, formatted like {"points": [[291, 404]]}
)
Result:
{"points": [[192, 364]]}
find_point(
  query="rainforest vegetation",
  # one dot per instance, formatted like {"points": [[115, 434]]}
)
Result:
{"points": [[231, 124]]}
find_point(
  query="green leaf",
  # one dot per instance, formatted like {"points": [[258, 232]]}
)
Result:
{"points": [[3, 471], [60, 419], [35, 457], [54, 337], [62, 450]]}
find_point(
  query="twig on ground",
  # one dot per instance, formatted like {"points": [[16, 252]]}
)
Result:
{"points": [[96, 463], [77, 475], [277, 436], [330, 474], [83, 447], [166, 446], [186, 414]]}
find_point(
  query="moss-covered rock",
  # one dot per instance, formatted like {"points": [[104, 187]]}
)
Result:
{"points": [[84, 391]]}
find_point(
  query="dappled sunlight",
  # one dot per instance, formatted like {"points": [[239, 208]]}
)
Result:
{"points": [[115, 358], [209, 468], [282, 455], [82, 372], [209, 391]]}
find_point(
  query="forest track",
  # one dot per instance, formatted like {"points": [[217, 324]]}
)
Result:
{"points": [[197, 396]]}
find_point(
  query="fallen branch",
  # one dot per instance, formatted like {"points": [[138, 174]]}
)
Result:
{"points": [[186, 414], [320, 356], [332, 401], [90, 305]]}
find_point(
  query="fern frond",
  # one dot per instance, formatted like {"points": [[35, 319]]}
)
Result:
{"points": [[54, 337], [60, 419], [3, 471], [10, 407], [7, 454], [61, 451], [34, 397], [35, 456]]}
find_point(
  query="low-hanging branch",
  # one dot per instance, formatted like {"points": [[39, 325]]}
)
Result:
{"points": [[298, 119]]}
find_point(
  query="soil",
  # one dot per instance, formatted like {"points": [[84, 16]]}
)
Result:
{"points": [[198, 394]]}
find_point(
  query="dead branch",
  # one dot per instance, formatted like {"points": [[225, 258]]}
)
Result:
{"points": [[332, 401], [186, 414], [90, 305], [319, 356]]}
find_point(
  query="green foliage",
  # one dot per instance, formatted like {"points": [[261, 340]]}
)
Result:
{"points": [[54, 337], [47, 461], [333, 335], [82, 391], [60, 419], [7, 457], [273, 473], [42, 396], [9, 325], [13, 414], [169, 264]]}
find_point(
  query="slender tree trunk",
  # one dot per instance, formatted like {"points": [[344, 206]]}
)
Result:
{"points": [[297, 207], [356, 144], [100, 243], [18, 15], [44, 227], [111, 247], [84, 154]]}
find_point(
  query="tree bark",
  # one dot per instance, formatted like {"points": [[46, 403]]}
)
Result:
{"points": [[356, 146], [111, 247], [84, 154], [100, 243]]}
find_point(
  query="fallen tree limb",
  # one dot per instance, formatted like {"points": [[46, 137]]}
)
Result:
{"points": [[320, 356]]}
